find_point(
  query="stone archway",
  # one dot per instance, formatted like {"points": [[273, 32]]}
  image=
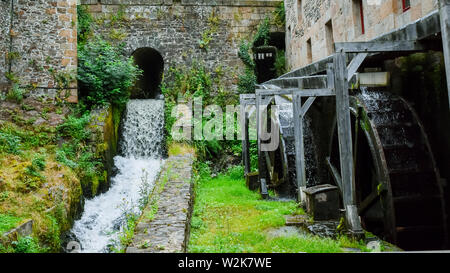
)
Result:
{"points": [[151, 63]]}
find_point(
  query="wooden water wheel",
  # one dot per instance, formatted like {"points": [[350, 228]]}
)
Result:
{"points": [[397, 184]]}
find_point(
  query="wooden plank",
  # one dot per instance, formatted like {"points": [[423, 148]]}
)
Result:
{"points": [[246, 145], [307, 105], [355, 64], [379, 46], [299, 147], [264, 192], [345, 139], [335, 173], [304, 92], [262, 168], [314, 68], [444, 11], [310, 82], [330, 76]]}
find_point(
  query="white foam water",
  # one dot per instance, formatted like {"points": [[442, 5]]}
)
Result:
{"points": [[139, 163]]}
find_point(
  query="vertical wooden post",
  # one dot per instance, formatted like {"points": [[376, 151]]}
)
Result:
{"points": [[444, 11], [246, 144], [262, 169], [345, 140], [299, 147]]}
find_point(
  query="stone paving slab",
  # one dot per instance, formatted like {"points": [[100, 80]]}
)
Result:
{"points": [[164, 224]]}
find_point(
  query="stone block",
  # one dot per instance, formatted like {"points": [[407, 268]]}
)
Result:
{"points": [[322, 202], [252, 181]]}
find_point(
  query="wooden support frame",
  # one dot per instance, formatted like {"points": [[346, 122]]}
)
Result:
{"points": [[305, 88], [345, 140]]}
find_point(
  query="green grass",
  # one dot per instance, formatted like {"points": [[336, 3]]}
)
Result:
{"points": [[229, 218], [8, 222]]}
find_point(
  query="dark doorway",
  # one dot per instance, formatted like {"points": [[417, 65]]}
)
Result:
{"points": [[152, 64], [266, 56]]}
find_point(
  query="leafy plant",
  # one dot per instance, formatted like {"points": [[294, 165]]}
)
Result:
{"points": [[207, 35], [105, 74], [15, 94], [84, 24], [279, 16], [280, 63], [262, 36], [9, 143], [26, 244]]}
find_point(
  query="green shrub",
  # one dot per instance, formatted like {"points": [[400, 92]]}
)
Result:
{"points": [[105, 74], [247, 81], [8, 222], [15, 94], [280, 63], [9, 143], [75, 128], [26, 244], [279, 16], [262, 36], [84, 24], [195, 81], [39, 162], [236, 172]]}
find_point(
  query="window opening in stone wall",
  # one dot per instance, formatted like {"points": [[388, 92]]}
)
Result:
{"points": [[309, 51], [358, 17], [329, 37], [406, 5]]}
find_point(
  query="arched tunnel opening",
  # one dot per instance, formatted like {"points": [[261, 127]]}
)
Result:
{"points": [[151, 63]]}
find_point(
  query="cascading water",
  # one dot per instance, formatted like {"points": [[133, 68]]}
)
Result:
{"points": [[138, 164]]}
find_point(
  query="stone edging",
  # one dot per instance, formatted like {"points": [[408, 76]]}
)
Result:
{"points": [[164, 226]]}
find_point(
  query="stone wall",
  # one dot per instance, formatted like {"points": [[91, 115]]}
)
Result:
{"points": [[39, 44], [176, 29], [309, 22]]}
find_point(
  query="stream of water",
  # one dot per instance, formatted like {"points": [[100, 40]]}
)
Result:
{"points": [[138, 164]]}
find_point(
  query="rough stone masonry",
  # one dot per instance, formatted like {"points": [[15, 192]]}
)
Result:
{"points": [[38, 45], [176, 29]]}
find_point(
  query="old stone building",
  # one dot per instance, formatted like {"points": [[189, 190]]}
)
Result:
{"points": [[312, 26], [38, 39]]}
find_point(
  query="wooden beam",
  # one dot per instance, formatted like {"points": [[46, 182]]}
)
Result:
{"points": [[379, 46], [335, 173], [444, 11], [299, 147], [355, 64], [345, 140], [314, 68], [246, 145], [309, 82], [326, 92], [307, 105]]}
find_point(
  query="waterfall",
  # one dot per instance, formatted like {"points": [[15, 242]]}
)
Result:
{"points": [[138, 164]]}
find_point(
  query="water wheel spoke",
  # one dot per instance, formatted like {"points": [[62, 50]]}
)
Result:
{"points": [[355, 144], [270, 167], [367, 202]]}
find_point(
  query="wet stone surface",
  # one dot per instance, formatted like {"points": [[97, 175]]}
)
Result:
{"points": [[166, 230]]}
